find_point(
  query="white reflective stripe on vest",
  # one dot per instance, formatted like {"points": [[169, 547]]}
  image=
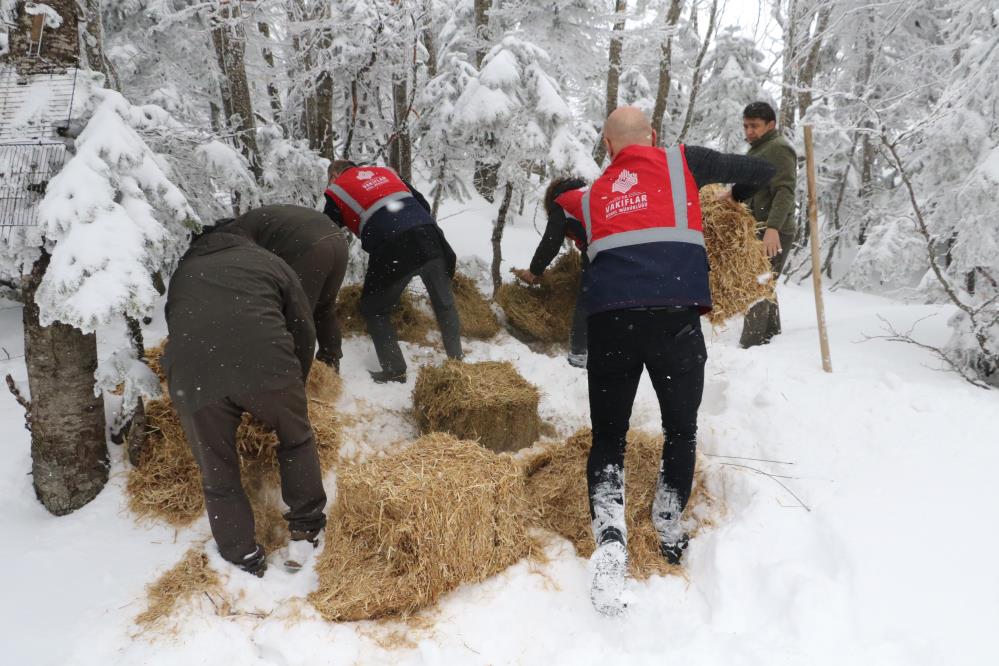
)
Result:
{"points": [[678, 185], [642, 236], [587, 221], [365, 214]]}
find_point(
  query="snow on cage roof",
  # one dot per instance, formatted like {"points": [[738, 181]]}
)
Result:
{"points": [[34, 107]]}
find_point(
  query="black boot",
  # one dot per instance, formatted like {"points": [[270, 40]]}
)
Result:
{"points": [[383, 376], [255, 563], [673, 552]]}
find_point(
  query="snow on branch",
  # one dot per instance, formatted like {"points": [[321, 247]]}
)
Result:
{"points": [[110, 219]]}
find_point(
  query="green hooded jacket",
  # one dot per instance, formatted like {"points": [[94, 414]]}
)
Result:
{"points": [[773, 204]]}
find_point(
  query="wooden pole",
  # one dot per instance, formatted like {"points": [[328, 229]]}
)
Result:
{"points": [[813, 227]]}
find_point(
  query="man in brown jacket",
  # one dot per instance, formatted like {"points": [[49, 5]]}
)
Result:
{"points": [[242, 340], [316, 249], [773, 208]]}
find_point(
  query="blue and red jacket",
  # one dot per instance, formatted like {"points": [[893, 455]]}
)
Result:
{"points": [[644, 233], [376, 205]]}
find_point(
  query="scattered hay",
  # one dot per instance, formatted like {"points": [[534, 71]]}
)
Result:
{"points": [[489, 402], [411, 527], [544, 313], [411, 323], [166, 484], [556, 487], [189, 578], [736, 257], [478, 320]]}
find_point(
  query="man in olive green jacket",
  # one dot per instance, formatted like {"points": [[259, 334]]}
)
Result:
{"points": [[773, 208]]}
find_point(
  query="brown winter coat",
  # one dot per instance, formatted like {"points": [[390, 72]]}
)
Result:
{"points": [[238, 320], [316, 249]]}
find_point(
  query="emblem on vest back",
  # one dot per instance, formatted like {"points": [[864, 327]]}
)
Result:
{"points": [[364, 175], [625, 181]]}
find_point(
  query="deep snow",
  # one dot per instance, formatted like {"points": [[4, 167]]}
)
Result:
{"points": [[892, 562]]}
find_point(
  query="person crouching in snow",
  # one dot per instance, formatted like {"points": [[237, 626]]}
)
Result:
{"points": [[241, 339], [402, 239], [562, 225], [317, 251]]}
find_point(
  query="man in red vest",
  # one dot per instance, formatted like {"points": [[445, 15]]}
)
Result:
{"points": [[645, 290], [402, 240]]}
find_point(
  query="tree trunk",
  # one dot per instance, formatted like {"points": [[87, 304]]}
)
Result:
{"points": [[785, 119], [229, 40], [92, 39], [482, 39], [273, 94], [69, 455], [497, 237], [665, 66], [695, 86], [613, 71], [401, 152], [439, 190], [58, 48], [486, 175], [807, 78]]}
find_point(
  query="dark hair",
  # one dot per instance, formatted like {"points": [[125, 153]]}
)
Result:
{"points": [[559, 186], [760, 110]]}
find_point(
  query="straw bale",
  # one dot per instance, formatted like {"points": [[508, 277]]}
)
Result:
{"points": [[544, 313], [489, 402], [478, 321], [166, 484], [191, 577], [411, 323], [410, 527], [736, 257], [556, 488]]}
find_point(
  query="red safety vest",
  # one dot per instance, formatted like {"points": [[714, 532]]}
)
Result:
{"points": [[360, 192], [646, 195], [569, 202]]}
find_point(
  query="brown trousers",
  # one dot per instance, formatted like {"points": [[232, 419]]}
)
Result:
{"points": [[762, 322], [321, 272], [211, 432]]}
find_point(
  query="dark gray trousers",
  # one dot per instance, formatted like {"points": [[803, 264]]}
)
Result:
{"points": [[211, 432], [376, 308], [762, 322]]}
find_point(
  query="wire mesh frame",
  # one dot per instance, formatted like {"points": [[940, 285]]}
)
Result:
{"points": [[25, 171], [47, 120]]}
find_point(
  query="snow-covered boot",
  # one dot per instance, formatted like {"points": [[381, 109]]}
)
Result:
{"points": [[298, 552], [609, 563], [608, 568], [666, 512], [577, 360], [255, 563]]}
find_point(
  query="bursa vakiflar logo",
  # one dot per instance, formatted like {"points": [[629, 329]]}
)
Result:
{"points": [[625, 181]]}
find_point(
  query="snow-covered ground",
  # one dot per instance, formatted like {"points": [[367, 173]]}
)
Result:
{"points": [[865, 540]]}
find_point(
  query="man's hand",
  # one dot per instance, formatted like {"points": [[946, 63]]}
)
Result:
{"points": [[771, 243], [725, 196], [525, 275]]}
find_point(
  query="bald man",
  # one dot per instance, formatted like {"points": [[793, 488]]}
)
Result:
{"points": [[644, 292]]}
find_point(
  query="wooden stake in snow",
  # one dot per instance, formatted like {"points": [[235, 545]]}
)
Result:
{"points": [[813, 226]]}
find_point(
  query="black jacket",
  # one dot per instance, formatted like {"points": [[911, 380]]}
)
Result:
{"points": [[238, 321], [556, 231], [406, 252]]}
